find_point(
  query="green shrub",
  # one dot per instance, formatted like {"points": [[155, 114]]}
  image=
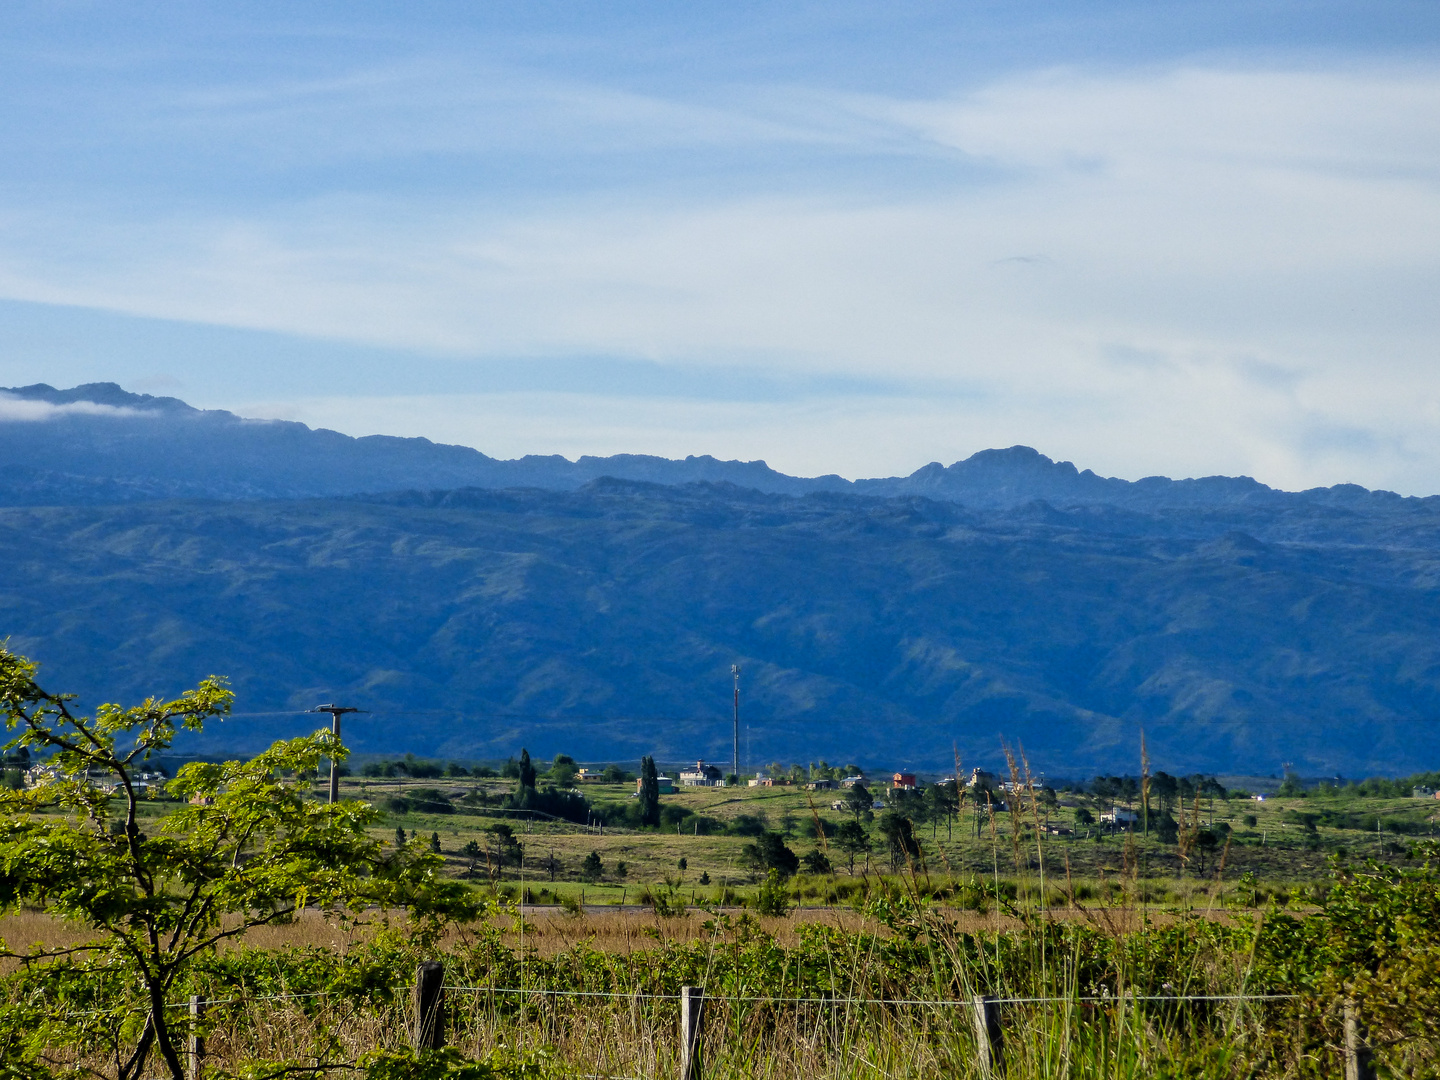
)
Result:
{"points": [[773, 898]]}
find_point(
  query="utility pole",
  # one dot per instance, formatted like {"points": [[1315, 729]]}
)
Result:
{"points": [[735, 759], [335, 711]]}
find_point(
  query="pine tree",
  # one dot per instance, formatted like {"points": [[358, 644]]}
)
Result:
{"points": [[527, 770], [435, 842], [649, 792]]}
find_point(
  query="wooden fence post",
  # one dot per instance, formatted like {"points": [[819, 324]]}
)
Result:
{"points": [[692, 1012], [430, 1005], [196, 1050], [1359, 1064], [989, 1037]]}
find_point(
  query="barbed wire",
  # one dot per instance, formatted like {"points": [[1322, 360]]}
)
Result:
{"points": [[1110, 999], [756, 999]]}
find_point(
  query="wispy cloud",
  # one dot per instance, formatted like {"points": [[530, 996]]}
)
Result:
{"points": [[1179, 266], [14, 408]]}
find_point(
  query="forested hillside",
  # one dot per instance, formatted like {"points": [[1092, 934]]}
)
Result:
{"points": [[603, 622]]}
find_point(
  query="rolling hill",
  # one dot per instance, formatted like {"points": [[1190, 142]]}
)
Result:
{"points": [[883, 622]]}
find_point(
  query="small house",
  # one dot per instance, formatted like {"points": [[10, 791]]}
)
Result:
{"points": [[903, 780], [821, 785], [701, 775], [851, 781], [665, 784], [1119, 816]]}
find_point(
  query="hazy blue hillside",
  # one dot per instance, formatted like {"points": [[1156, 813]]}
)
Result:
{"points": [[100, 444], [141, 447], [602, 622]]}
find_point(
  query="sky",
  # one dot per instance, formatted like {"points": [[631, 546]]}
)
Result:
{"points": [[1149, 238]]}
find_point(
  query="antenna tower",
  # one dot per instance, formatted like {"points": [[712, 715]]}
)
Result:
{"points": [[735, 757]]}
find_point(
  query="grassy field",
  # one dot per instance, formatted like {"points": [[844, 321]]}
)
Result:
{"points": [[1276, 850], [1090, 938], [880, 990]]}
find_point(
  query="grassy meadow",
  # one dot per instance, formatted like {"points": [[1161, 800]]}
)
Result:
{"points": [[1273, 857], [1112, 954]]}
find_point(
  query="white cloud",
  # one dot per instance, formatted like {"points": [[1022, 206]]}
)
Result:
{"points": [[1214, 226], [14, 408]]}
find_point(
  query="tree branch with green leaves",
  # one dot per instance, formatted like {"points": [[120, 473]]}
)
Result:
{"points": [[247, 847]]}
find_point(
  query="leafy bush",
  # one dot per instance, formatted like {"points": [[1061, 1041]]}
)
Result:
{"points": [[816, 862], [566, 804], [748, 825], [773, 898], [815, 828], [421, 801], [451, 1064], [770, 855]]}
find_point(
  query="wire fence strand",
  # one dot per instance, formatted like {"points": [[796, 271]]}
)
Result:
{"points": [[1109, 999]]}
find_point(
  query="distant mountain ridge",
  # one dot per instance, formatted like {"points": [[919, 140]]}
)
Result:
{"points": [[602, 623], [474, 606], [140, 447]]}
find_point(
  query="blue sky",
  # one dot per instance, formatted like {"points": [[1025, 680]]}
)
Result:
{"points": [[1150, 238]]}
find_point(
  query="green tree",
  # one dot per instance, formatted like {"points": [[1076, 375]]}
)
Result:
{"points": [[941, 803], [772, 898], [507, 848], [816, 862], [435, 843], [649, 792], [563, 770], [471, 852], [852, 839], [1165, 788], [525, 770], [900, 834], [592, 867], [769, 852], [246, 848], [859, 802]]}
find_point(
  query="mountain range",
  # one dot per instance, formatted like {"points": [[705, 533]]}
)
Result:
{"points": [[475, 605]]}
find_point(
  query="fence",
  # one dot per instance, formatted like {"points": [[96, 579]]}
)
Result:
{"points": [[987, 1021]]}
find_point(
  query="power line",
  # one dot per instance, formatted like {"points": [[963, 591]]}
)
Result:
{"points": [[1149, 722]]}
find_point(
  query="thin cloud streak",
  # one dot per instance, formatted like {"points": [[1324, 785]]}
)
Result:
{"points": [[1228, 223]]}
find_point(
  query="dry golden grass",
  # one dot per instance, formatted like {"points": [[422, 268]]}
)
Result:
{"points": [[550, 931]]}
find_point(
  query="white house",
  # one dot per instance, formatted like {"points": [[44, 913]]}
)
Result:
{"points": [[701, 775]]}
